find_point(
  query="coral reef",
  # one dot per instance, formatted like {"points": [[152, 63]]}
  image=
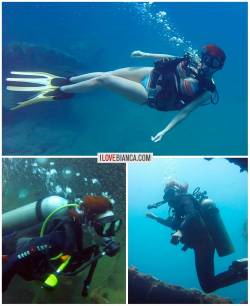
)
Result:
{"points": [[145, 289]]}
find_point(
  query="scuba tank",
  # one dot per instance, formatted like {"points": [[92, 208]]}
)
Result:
{"points": [[31, 214], [216, 228], [215, 225]]}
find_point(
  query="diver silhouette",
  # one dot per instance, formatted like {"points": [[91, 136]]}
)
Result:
{"points": [[68, 243], [198, 225]]}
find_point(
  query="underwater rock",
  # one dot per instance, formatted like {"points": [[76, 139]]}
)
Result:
{"points": [[145, 289], [25, 56], [241, 162]]}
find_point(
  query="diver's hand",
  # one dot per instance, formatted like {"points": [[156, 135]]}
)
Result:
{"points": [[158, 137], [137, 53], [176, 237], [151, 216]]}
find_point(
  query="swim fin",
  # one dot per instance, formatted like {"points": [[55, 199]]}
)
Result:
{"points": [[49, 91]]}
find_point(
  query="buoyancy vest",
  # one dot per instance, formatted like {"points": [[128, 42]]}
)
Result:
{"points": [[174, 83]]}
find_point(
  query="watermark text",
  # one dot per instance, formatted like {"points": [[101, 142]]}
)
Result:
{"points": [[124, 157]]}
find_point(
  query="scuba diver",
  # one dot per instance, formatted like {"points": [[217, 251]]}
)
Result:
{"points": [[198, 225], [73, 237], [173, 84]]}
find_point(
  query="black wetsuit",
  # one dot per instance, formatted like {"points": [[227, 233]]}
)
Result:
{"points": [[30, 257], [188, 220]]}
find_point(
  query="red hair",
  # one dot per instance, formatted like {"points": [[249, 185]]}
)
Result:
{"points": [[95, 205]]}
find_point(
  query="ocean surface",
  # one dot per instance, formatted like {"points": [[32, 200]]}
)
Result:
{"points": [[28, 180], [149, 244], [75, 38]]}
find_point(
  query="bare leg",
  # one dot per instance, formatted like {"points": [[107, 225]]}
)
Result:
{"points": [[136, 74], [85, 77], [130, 89]]}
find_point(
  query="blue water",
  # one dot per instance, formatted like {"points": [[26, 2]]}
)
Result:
{"points": [[101, 37], [149, 247]]}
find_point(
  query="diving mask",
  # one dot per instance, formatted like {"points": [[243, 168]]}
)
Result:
{"points": [[212, 62], [212, 59], [107, 225], [171, 193]]}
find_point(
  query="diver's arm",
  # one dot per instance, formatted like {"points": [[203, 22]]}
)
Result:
{"points": [[166, 222], [183, 114], [152, 55], [157, 204]]}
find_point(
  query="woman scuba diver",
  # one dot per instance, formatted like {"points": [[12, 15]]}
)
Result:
{"points": [[198, 225], [68, 243], [173, 84]]}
